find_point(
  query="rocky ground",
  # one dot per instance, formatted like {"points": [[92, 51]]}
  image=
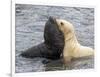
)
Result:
{"points": [[30, 22]]}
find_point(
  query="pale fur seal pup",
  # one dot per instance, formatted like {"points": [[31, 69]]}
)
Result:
{"points": [[72, 48]]}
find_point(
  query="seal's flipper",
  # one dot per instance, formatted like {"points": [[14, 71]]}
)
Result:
{"points": [[34, 51], [40, 50]]}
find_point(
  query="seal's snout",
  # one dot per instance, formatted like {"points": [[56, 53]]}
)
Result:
{"points": [[52, 19]]}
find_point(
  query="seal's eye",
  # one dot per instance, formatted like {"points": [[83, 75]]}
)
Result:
{"points": [[62, 23]]}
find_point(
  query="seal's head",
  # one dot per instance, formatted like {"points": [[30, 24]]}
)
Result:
{"points": [[53, 36], [65, 26]]}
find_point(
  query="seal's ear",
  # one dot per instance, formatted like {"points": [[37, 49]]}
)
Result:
{"points": [[61, 23], [64, 27]]}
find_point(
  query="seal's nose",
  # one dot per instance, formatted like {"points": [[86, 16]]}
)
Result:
{"points": [[52, 19]]}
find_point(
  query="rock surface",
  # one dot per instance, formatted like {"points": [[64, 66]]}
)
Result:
{"points": [[30, 22]]}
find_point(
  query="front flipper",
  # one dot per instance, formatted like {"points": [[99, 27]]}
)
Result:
{"points": [[83, 52]]}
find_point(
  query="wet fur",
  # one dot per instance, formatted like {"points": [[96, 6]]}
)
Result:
{"points": [[72, 48]]}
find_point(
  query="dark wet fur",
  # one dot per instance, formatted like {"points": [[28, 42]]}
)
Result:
{"points": [[53, 45]]}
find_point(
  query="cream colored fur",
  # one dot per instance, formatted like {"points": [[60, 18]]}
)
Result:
{"points": [[72, 48]]}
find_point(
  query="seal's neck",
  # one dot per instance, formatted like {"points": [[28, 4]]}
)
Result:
{"points": [[70, 36], [71, 41]]}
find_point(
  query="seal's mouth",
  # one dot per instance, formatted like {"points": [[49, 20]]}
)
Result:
{"points": [[52, 20]]}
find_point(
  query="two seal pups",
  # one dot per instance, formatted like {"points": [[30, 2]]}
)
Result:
{"points": [[59, 38]]}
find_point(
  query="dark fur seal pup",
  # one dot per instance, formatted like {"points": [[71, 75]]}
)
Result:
{"points": [[53, 43]]}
